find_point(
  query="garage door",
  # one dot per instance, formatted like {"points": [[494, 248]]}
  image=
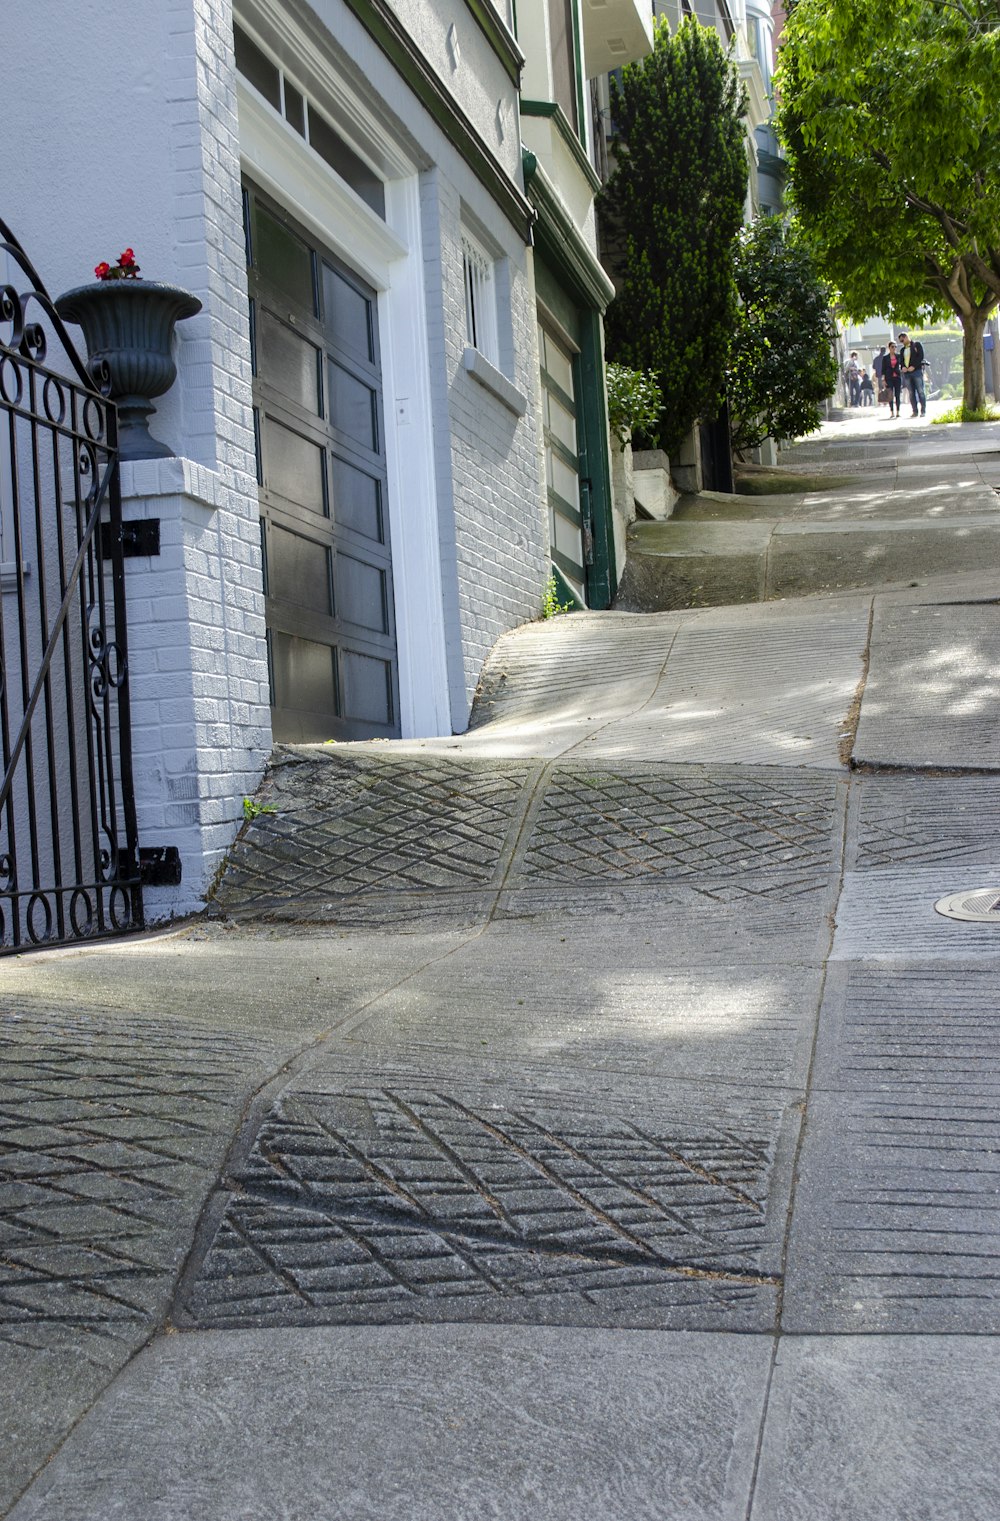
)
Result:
{"points": [[321, 468]]}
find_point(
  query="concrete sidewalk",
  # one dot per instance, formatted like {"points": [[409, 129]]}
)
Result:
{"points": [[587, 1117], [881, 501]]}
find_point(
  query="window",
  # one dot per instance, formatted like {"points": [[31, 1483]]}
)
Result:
{"points": [[562, 45], [480, 300], [300, 113]]}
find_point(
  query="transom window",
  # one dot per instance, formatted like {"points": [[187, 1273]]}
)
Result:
{"points": [[307, 120]]}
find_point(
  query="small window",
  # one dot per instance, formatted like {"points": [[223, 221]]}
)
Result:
{"points": [[325, 140], [295, 108], [256, 67], [480, 300]]}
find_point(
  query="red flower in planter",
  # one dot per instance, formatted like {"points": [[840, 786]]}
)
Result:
{"points": [[125, 269]]}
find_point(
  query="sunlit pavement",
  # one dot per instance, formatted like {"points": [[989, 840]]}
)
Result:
{"points": [[587, 1117], [868, 502]]}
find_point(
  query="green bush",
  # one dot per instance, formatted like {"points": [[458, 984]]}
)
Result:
{"points": [[634, 402], [782, 365]]}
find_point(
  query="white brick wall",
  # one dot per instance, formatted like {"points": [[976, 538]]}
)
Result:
{"points": [[201, 725], [162, 174], [494, 534]]}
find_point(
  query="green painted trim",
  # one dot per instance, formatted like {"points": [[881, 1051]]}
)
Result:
{"points": [[564, 508], [602, 579], [564, 590], [503, 44], [555, 112], [378, 19], [595, 463], [560, 242]]}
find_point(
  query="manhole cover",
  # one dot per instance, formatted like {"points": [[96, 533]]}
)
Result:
{"points": [[980, 904]]}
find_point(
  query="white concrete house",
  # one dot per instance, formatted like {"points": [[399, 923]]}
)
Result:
{"points": [[353, 510]]}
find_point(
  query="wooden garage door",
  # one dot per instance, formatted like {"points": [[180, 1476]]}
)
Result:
{"points": [[321, 467]]}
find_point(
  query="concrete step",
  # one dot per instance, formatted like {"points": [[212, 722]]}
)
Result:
{"points": [[879, 504], [704, 559]]}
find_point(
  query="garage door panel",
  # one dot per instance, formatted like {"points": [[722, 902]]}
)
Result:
{"points": [[350, 314], [361, 593], [283, 259], [305, 674], [294, 466], [292, 365], [299, 570], [353, 408], [357, 500], [367, 695]]}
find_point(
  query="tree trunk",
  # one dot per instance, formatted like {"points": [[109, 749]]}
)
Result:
{"points": [[973, 365]]}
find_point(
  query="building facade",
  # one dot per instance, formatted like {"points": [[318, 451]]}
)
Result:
{"points": [[389, 424], [352, 512]]}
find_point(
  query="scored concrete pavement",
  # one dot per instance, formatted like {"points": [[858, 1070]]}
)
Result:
{"points": [[587, 1116]]}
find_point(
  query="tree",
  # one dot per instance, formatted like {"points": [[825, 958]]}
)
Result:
{"points": [[889, 119], [782, 364], [673, 207]]}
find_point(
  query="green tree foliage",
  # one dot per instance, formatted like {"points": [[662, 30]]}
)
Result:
{"points": [[890, 121], [673, 207], [781, 365], [634, 402]]}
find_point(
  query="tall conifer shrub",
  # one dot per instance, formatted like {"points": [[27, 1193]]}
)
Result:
{"points": [[673, 207]]}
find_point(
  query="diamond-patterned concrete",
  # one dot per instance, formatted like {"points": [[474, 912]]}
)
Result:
{"points": [[645, 824], [347, 824], [356, 839], [109, 1139], [419, 1200]]}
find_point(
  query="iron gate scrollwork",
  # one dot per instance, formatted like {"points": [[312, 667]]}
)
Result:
{"points": [[69, 859]]}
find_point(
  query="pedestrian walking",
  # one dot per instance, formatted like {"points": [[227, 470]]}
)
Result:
{"points": [[892, 378], [853, 376], [882, 392], [867, 390], [911, 358]]}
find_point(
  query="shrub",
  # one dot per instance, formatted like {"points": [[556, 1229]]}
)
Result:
{"points": [[634, 403]]}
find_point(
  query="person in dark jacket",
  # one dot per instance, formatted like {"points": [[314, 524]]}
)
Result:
{"points": [[892, 378], [911, 358]]}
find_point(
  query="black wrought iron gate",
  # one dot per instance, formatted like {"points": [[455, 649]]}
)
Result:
{"points": [[69, 859]]}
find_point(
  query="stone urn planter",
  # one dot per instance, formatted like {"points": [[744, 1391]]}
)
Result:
{"points": [[129, 324]]}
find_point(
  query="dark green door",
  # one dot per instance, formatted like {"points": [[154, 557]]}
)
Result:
{"points": [[321, 468], [571, 537]]}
